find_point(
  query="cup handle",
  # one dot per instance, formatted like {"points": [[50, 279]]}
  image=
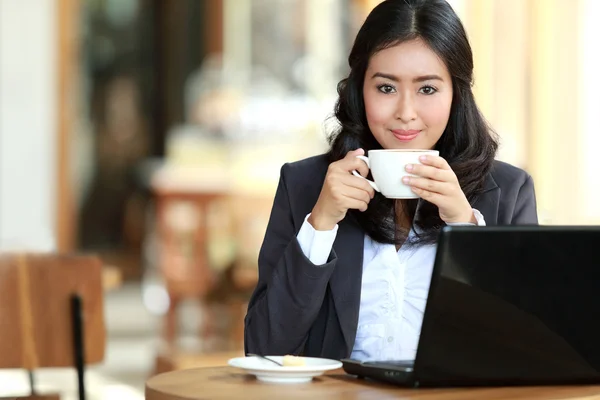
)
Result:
{"points": [[355, 173]]}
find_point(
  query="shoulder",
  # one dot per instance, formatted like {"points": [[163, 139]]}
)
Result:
{"points": [[516, 204], [310, 164], [508, 177], [310, 170], [508, 196], [302, 182]]}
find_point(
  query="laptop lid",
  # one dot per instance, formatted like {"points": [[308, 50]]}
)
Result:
{"points": [[512, 305]]}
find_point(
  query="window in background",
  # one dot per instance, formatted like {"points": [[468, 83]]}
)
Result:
{"points": [[589, 65]]}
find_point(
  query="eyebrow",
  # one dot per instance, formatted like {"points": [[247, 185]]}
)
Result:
{"points": [[417, 79]]}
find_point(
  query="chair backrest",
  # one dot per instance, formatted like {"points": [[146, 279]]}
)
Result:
{"points": [[182, 234], [36, 328]]}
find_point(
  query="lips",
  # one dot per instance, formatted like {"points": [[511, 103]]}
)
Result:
{"points": [[405, 135]]}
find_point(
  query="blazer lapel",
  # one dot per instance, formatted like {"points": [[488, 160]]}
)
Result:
{"points": [[345, 282]]}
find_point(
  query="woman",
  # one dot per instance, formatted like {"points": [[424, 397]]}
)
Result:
{"points": [[343, 271]]}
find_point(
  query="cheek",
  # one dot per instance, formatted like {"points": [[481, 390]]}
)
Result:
{"points": [[378, 110], [435, 112]]}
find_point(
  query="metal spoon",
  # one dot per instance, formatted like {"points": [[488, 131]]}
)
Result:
{"points": [[265, 358]]}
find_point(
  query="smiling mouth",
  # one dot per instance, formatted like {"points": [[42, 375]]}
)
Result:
{"points": [[405, 135]]}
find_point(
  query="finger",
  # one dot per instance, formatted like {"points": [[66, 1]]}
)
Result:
{"points": [[354, 164], [357, 194], [435, 161], [362, 168], [426, 171], [362, 184], [426, 184], [353, 153], [357, 204], [432, 197]]}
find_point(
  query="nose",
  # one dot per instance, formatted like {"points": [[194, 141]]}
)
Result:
{"points": [[406, 110]]}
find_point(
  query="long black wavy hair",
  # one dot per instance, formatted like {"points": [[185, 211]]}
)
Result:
{"points": [[468, 143]]}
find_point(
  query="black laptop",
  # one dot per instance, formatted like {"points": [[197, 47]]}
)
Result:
{"points": [[514, 305]]}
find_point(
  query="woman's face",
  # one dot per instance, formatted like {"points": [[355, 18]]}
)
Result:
{"points": [[408, 94]]}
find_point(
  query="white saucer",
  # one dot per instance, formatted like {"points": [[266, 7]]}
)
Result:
{"points": [[268, 372]]}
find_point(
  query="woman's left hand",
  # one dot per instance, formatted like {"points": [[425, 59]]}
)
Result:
{"points": [[438, 184]]}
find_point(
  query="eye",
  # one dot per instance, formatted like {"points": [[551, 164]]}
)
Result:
{"points": [[387, 89], [428, 90]]}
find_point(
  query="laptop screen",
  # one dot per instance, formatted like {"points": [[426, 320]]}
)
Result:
{"points": [[513, 304]]}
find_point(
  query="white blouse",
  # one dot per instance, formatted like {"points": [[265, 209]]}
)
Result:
{"points": [[394, 290]]}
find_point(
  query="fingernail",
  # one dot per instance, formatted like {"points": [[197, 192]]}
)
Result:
{"points": [[409, 167], [406, 180], [423, 158]]}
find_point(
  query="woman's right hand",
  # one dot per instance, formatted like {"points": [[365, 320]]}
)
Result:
{"points": [[342, 191]]}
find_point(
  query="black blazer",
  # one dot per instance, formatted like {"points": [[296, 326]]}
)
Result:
{"points": [[300, 308]]}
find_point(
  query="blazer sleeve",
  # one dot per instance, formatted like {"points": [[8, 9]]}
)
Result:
{"points": [[525, 211], [290, 288]]}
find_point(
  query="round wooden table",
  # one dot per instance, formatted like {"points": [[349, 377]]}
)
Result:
{"points": [[231, 383]]}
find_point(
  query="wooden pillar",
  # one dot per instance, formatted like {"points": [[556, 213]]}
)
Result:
{"points": [[213, 31], [68, 69]]}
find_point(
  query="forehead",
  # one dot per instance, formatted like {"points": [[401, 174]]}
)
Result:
{"points": [[408, 59]]}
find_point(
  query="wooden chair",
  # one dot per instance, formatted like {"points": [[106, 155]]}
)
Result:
{"points": [[246, 217], [182, 229], [51, 313]]}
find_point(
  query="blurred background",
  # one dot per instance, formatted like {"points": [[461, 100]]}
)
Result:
{"points": [[151, 133]]}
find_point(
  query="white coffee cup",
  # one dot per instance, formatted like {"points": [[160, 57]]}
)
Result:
{"points": [[388, 167]]}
